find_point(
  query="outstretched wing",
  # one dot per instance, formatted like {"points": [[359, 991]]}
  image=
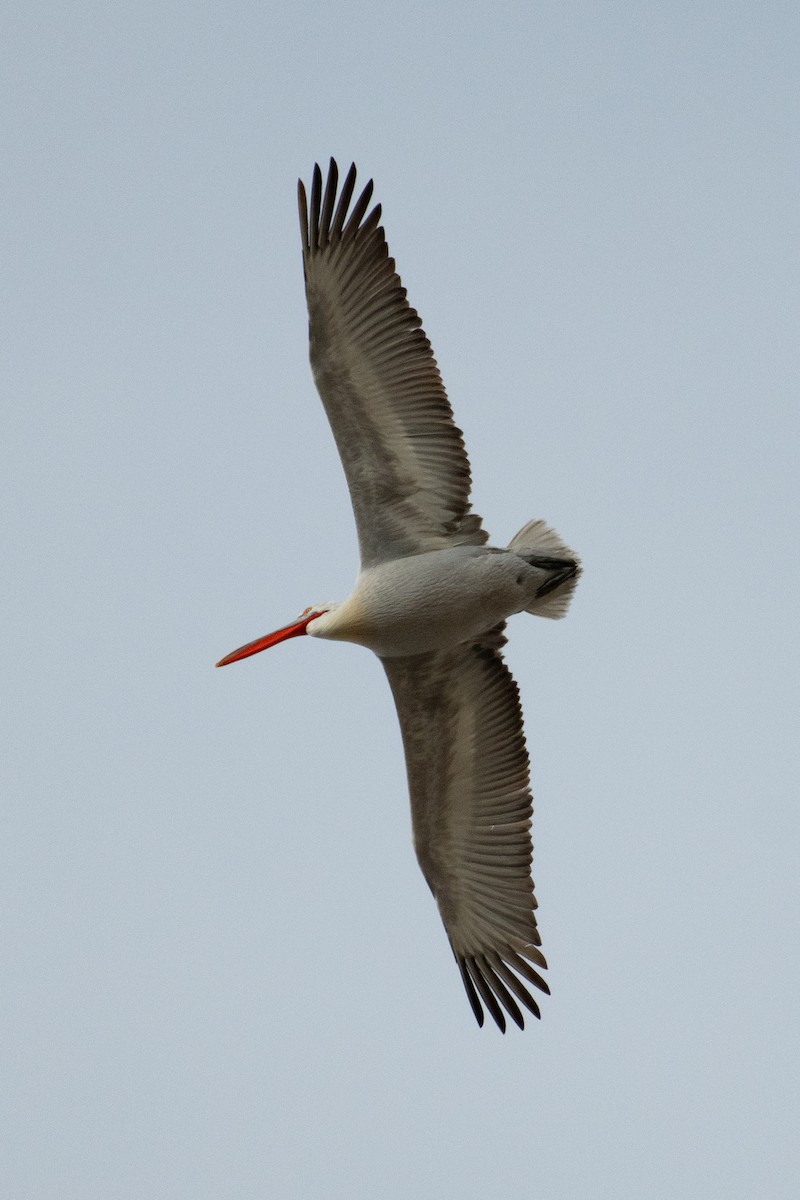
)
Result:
{"points": [[403, 456], [471, 813]]}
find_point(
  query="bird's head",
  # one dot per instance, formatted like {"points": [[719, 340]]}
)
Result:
{"points": [[305, 623]]}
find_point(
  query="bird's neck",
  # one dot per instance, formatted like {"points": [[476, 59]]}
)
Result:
{"points": [[342, 622]]}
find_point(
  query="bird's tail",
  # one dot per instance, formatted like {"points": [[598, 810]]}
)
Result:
{"points": [[540, 546]]}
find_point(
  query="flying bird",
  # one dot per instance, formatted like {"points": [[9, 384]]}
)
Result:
{"points": [[431, 598]]}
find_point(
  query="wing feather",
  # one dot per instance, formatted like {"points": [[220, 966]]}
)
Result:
{"points": [[471, 812], [403, 456]]}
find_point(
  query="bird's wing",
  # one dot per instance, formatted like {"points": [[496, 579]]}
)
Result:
{"points": [[471, 813], [403, 456]]}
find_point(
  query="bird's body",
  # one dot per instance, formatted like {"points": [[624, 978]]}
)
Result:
{"points": [[432, 601], [432, 597]]}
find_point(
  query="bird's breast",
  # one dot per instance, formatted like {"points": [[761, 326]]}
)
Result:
{"points": [[431, 601]]}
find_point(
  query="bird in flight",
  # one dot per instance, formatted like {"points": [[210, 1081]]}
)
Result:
{"points": [[432, 597]]}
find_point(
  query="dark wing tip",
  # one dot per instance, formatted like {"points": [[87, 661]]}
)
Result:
{"points": [[302, 206], [359, 208], [323, 219], [470, 990], [488, 980], [316, 198], [328, 202], [345, 197], [523, 968], [485, 992]]}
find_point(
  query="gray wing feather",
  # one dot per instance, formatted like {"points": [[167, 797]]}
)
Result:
{"points": [[471, 812], [403, 455]]}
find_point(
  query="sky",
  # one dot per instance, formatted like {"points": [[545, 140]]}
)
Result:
{"points": [[223, 975]]}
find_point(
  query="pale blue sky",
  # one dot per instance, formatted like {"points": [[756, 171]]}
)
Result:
{"points": [[224, 976]]}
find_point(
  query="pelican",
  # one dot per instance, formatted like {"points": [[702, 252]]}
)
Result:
{"points": [[431, 598]]}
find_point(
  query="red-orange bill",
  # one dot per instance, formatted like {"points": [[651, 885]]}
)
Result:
{"points": [[270, 639]]}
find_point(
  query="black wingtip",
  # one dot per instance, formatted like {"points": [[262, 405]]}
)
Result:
{"points": [[316, 198], [486, 994], [322, 217], [359, 209], [302, 207], [328, 203], [472, 995], [345, 197]]}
